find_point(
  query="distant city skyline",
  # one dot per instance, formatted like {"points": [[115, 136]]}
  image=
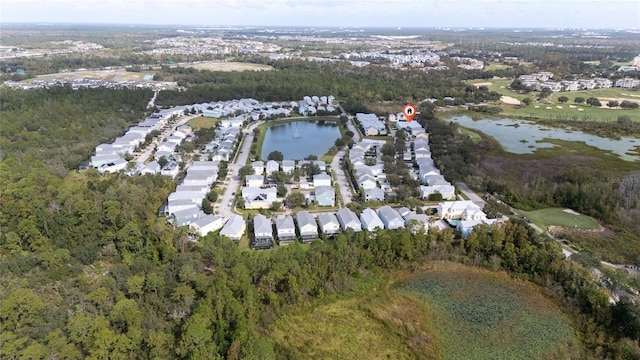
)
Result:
{"points": [[589, 14]]}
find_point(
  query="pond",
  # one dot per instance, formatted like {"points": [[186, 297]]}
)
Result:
{"points": [[525, 137], [299, 139]]}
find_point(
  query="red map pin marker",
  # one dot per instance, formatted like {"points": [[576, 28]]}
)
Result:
{"points": [[409, 111]]}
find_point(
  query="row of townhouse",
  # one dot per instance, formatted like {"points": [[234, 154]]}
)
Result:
{"points": [[287, 229], [288, 166], [418, 151], [628, 83], [256, 196], [370, 124], [310, 105], [540, 81], [184, 205], [221, 147]]}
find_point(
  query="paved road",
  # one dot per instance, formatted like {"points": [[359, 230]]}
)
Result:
{"points": [[141, 158], [470, 194], [232, 181]]}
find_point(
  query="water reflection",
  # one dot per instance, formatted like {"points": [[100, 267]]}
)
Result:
{"points": [[525, 137], [296, 140]]}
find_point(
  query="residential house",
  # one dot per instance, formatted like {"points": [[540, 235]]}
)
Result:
{"points": [[285, 229], [417, 222], [448, 192], [460, 210], [329, 224], [271, 167], [466, 226], [171, 169], [262, 232], [370, 220], [207, 224], [98, 160], [234, 228], [167, 146], [307, 226], [321, 180], [390, 218], [325, 196], [113, 167], [258, 198], [374, 194], [151, 168], [236, 122], [288, 166], [200, 178], [258, 167], [366, 181], [254, 181], [348, 220], [175, 205], [187, 216]]}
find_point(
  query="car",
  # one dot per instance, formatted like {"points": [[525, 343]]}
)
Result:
{"points": [[230, 204], [233, 194]]}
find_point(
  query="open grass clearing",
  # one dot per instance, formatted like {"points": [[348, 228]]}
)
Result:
{"points": [[480, 314], [227, 66], [560, 217], [202, 122]]}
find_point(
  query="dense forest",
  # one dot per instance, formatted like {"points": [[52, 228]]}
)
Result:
{"points": [[89, 271], [61, 126], [294, 79]]}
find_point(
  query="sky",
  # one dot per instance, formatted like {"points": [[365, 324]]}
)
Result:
{"points": [[611, 14]]}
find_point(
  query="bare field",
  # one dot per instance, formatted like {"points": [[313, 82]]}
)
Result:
{"points": [[227, 66], [105, 75]]}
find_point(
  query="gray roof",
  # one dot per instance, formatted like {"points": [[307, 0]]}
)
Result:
{"points": [[208, 219], [262, 225], [348, 218], [369, 218], [388, 214], [327, 218], [304, 218], [321, 190], [288, 163], [322, 176], [285, 223], [233, 225]]}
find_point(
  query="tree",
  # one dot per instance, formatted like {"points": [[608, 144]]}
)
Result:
{"points": [[626, 104], [388, 150], [311, 157], [339, 142], [244, 171], [275, 155], [612, 104], [563, 99], [526, 101], [212, 195], [295, 199], [275, 206], [578, 100], [593, 101], [163, 161], [206, 206]]}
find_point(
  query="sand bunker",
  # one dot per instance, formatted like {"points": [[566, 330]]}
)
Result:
{"points": [[509, 100], [571, 212]]}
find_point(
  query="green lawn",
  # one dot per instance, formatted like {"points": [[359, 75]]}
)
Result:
{"points": [[560, 217], [475, 137], [203, 122]]}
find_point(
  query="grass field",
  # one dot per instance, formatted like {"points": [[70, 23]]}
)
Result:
{"points": [[560, 217], [480, 314], [227, 66], [474, 136], [443, 311], [202, 122]]}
